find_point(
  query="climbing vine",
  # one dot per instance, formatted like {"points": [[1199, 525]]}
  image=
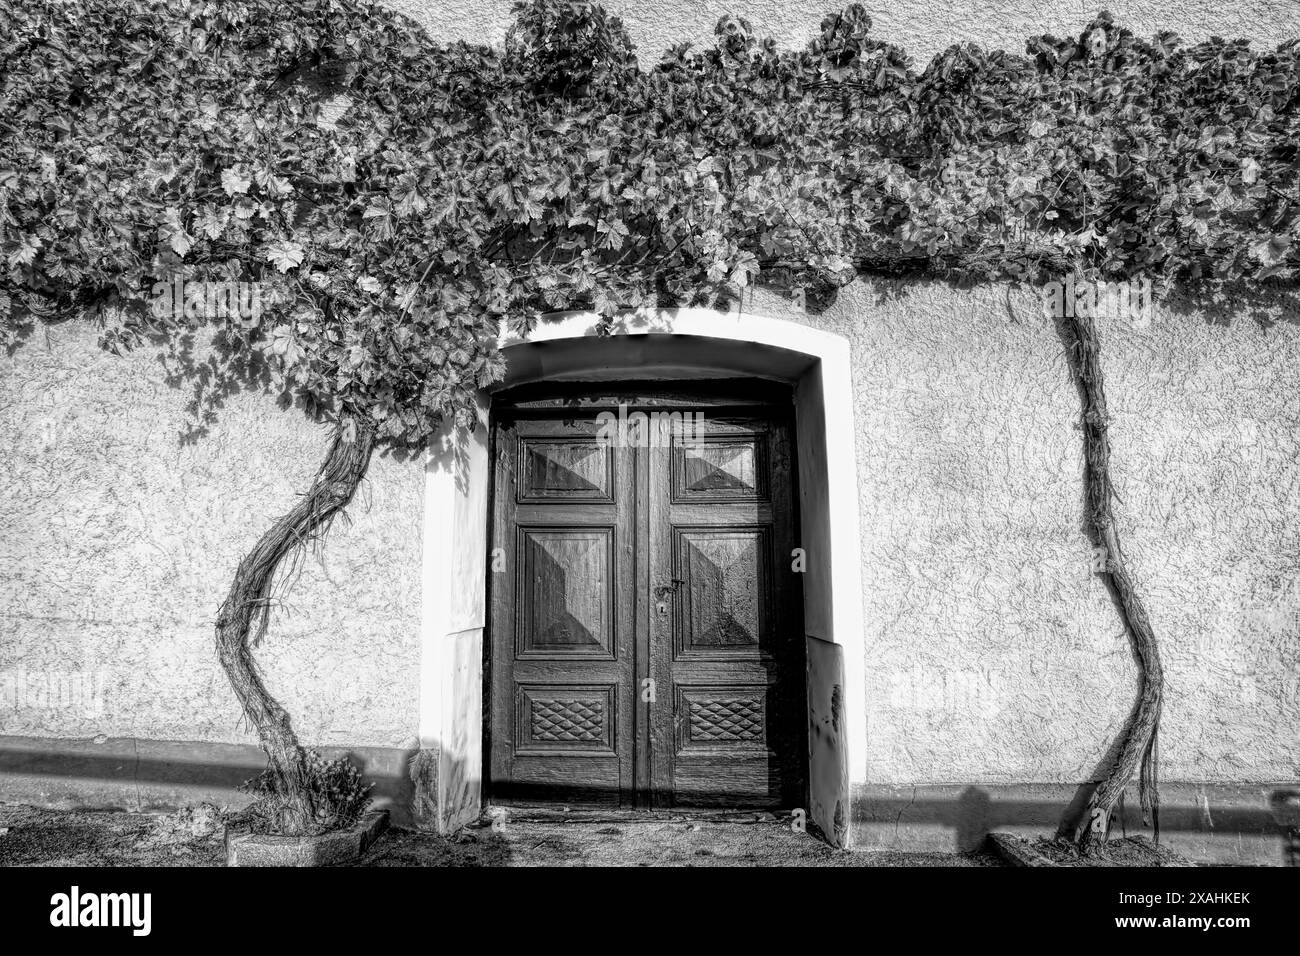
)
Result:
{"points": [[393, 201]]}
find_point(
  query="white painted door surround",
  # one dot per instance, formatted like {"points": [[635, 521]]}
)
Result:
{"points": [[656, 344]]}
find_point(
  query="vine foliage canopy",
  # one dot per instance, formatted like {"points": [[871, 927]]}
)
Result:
{"points": [[396, 199]]}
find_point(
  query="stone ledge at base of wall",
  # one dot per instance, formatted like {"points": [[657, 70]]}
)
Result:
{"points": [[137, 774], [340, 848], [1208, 823], [1221, 823]]}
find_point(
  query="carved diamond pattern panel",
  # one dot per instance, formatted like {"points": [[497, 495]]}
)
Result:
{"points": [[723, 717], [720, 469], [564, 601], [569, 470], [726, 720], [568, 720], [565, 718], [725, 605]]}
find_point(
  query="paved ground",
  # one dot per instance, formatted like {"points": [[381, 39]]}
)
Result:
{"points": [[638, 844], [39, 837]]}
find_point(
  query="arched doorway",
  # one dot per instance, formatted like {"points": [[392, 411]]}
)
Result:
{"points": [[687, 344], [645, 641]]}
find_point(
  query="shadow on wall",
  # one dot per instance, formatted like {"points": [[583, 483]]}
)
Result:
{"points": [[901, 817], [162, 775], [1285, 805], [1266, 303]]}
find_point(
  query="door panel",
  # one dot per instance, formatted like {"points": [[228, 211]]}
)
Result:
{"points": [[647, 642], [729, 642], [578, 468], [562, 636], [725, 592], [566, 605]]}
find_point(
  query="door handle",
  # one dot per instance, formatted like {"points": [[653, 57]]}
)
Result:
{"points": [[664, 590]]}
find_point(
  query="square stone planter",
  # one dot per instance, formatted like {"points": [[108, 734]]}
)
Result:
{"points": [[340, 848], [1131, 851]]}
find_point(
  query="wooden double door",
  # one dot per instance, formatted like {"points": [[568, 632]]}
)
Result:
{"points": [[647, 643]]}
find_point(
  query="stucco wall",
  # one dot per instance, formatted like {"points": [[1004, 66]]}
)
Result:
{"points": [[994, 653], [923, 29], [117, 544]]}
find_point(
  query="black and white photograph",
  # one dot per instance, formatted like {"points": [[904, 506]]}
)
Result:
{"points": [[780, 444]]}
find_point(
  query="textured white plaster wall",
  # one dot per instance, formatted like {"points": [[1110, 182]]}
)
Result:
{"points": [[924, 29], [1213, 502], [117, 545], [994, 654]]}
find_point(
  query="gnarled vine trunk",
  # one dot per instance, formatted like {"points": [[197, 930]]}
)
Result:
{"points": [[244, 615], [1136, 748]]}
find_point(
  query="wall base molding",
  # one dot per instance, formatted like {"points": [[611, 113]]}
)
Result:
{"points": [[1221, 823], [1206, 822], [138, 774]]}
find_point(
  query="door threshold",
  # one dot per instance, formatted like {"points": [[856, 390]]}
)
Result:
{"points": [[544, 814]]}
